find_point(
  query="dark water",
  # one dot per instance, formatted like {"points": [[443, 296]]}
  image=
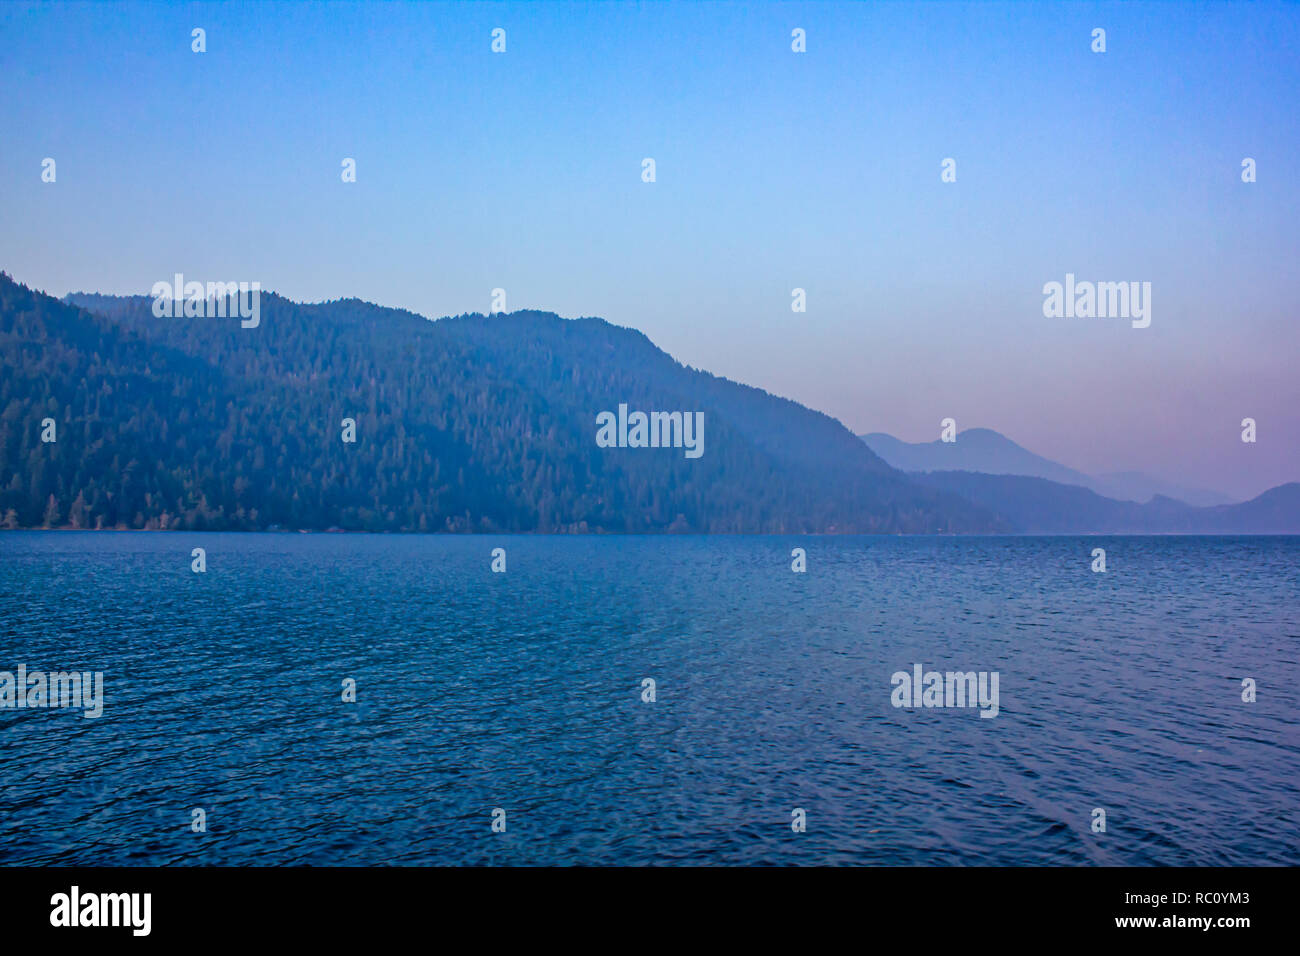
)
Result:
{"points": [[523, 691]]}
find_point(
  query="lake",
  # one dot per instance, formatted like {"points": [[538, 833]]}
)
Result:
{"points": [[773, 692]]}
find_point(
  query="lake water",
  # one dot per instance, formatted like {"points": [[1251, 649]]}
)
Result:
{"points": [[523, 691]]}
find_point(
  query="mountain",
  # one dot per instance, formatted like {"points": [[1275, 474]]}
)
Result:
{"points": [[1039, 506], [1136, 486], [984, 450], [472, 423], [976, 449]]}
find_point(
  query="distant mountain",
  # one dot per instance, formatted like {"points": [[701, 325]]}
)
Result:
{"points": [[1038, 506], [474, 423], [976, 449], [1135, 486], [984, 450]]}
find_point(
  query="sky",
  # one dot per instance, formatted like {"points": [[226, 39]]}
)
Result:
{"points": [[774, 170]]}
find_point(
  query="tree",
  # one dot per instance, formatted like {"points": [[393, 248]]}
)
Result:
{"points": [[77, 513]]}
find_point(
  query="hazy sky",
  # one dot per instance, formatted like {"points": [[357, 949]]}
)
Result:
{"points": [[775, 170]]}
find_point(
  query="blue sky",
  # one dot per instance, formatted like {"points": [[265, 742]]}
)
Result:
{"points": [[775, 170]]}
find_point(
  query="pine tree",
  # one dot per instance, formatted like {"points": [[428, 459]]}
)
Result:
{"points": [[77, 513]]}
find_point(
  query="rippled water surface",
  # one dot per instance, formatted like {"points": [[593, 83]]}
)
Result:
{"points": [[523, 691]]}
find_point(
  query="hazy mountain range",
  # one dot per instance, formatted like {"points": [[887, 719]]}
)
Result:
{"points": [[1037, 495], [987, 451], [1039, 506], [472, 423]]}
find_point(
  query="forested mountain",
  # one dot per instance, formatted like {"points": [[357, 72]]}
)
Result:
{"points": [[473, 423]]}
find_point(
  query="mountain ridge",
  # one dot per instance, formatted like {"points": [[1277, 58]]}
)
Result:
{"points": [[465, 423], [1039, 506], [990, 452], [482, 423]]}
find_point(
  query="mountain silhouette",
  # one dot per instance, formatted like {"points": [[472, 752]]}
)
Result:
{"points": [[1039, 506], [472, 423], [989, 452]]}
